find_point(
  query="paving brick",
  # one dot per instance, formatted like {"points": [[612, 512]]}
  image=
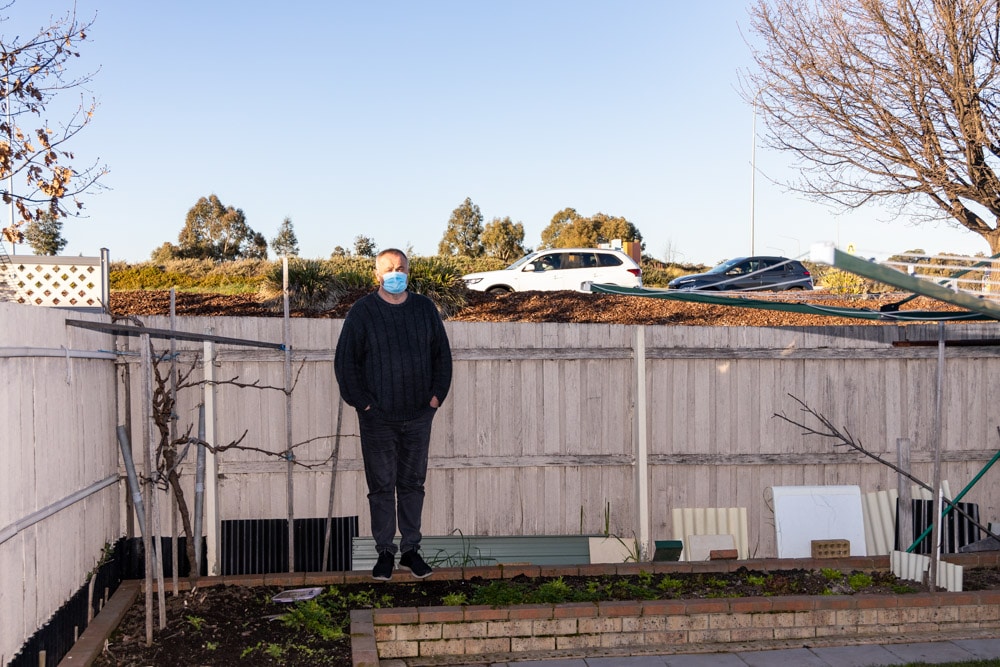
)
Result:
{"points": [[619, 608], [441, 615], [485, 613], [396, 615], [574, 610], [531, 611]]}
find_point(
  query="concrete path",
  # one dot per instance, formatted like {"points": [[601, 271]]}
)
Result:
{"points": [[872, 655]]}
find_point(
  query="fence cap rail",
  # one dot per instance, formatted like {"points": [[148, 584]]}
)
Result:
{"points": [[131, 330]]}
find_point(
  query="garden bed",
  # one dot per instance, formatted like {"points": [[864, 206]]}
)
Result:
{"points": [[502, 611]]}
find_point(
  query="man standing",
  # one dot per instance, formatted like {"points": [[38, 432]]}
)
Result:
{"points": [[393, 365]]}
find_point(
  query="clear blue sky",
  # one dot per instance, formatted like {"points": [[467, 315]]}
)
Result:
{"points": [[380, 118]]}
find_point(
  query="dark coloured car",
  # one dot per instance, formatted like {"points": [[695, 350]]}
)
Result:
{"points": [[772, 274]]}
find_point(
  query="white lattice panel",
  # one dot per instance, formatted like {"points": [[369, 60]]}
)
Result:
{"points": [[68, 282]]}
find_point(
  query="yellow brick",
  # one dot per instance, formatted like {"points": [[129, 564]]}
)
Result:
{"points": [[794, 633], [559, 626], [462, 630], [665, 638], [443, 647], [784, 619], [418, 631], [708, 636], [849, 617], [399, 650], [835, 630], [578, 641], [603, 624], [617, 639], [890, 616], [751, 634], [508, 628], [521, 644], [385, 633], [488, 645], [729, 621], [693, 622]]}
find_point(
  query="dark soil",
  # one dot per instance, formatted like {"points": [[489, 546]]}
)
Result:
{"points": [[225, 625], [562, 306]]}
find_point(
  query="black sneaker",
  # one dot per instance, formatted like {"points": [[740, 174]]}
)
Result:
{"points": [[412, 561], [383, 568]]}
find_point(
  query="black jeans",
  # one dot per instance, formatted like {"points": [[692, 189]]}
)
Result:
{"points": [[395, 456]]}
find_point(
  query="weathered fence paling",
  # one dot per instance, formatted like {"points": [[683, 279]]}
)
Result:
{"points": [[548, 428]]}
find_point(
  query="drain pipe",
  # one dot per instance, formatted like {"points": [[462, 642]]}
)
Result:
{"points": [[199, 488], [133, 480]]}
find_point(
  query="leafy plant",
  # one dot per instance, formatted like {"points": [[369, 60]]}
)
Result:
{"points": [[831, 574], [668, 583], [554, 591], [499, 593], [211, 646], [195, 622], [312, 617], [454, 600], [440, 281], [312, 285], [860, 580]]}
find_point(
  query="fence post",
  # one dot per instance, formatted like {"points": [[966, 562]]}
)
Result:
{"points": [[212, 522], [640, 431]]}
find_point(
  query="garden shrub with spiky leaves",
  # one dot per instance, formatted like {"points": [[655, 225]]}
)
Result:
{"points": [[312, 285]]}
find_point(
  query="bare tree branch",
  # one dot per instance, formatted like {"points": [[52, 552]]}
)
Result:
{"points": [[891, 101], [845, 439]]}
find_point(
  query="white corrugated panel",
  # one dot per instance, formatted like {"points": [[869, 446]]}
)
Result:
{"points": [[712, 521], [879, 509], [913, 567]]}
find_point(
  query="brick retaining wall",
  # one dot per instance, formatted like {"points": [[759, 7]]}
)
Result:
{"points": [[442, 635]]}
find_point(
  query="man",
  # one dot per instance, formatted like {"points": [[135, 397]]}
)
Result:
{"points": [[393, 365]]}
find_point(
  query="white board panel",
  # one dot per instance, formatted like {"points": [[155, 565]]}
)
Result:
{"points": [[806, 513]]}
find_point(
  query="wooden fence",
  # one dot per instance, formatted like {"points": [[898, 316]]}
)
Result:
{"points": [[59, 492], [544, 431], [548, 429]]}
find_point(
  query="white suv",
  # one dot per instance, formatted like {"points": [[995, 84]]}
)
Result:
{"points": [[560, 269]]}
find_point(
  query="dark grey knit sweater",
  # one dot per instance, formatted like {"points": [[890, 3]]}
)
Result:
{"points": [[393, 357]]}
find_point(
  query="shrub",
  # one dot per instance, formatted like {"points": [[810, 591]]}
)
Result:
{"points": [[439, 280], [312, 285], [843, 282]]}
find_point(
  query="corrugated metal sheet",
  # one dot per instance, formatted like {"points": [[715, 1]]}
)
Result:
{"points": [[914, 567], [712, 521], [469, 550]]}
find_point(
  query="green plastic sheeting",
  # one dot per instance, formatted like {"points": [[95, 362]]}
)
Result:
{"points": [[808, 308]]}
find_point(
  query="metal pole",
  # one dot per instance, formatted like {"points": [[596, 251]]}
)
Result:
{"points": [[641, 445], [753, 174], [174, 541], [199, 490], [212, 514], [936, 501], [335, 456], [289, 454]]}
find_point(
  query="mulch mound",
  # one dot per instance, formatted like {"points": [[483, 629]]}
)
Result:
{"points": [[563, 306]]}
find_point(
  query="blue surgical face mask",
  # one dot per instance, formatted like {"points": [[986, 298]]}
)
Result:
{"points": [[394, 282]]}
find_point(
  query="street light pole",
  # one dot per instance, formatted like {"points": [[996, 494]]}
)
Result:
{"points": [[753, 172]]}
